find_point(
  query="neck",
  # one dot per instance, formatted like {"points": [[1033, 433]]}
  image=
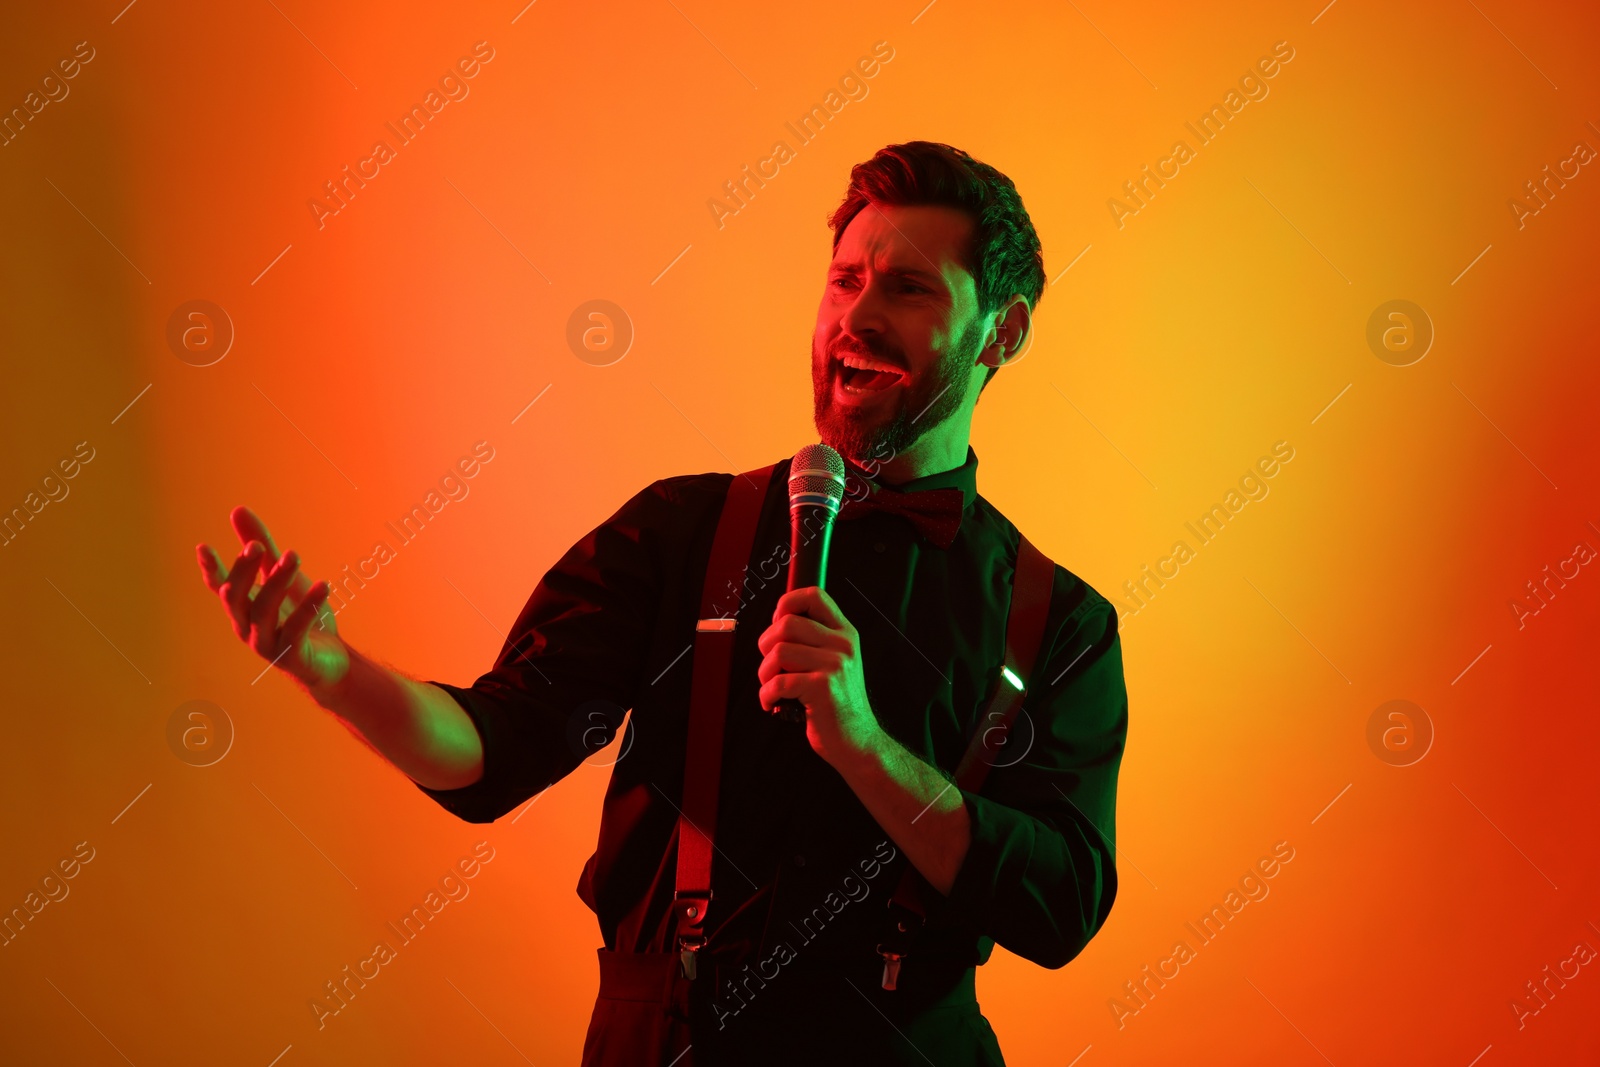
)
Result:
{"points": [[941, 450]]}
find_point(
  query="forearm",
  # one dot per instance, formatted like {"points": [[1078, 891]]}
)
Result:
{"points": [[416, 726], [919, 808]]}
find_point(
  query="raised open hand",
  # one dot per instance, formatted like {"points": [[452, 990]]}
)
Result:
{"points": [[277, 621]]}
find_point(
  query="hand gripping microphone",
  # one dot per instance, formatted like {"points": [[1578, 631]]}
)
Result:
{"points": [[816, 489]]}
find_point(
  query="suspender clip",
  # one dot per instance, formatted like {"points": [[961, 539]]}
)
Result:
{"points": [[891, 966], [691, 908], [689, 954]]}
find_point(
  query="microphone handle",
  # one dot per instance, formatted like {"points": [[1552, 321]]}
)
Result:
{"points": [[810, 534], [790, 710]]}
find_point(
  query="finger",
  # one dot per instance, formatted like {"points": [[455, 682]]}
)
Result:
{"points": [[269, 599], [299, 620], [791, 658], [235, 591], [299, 585], [210, 566], [784, 685], [793, 602], [814, 602], [249, 527], [800, 630]]}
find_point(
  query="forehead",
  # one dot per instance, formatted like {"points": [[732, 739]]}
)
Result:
{"points": [[931, 240]]}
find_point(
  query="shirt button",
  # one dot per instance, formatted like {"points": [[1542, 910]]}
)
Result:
{"points": [[799, 860], [878, 547]]}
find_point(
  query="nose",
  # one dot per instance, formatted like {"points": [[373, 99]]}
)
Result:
{"points": [[863, 315]]}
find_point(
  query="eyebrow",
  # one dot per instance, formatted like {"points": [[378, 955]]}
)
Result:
{"points": [[852, 267]]}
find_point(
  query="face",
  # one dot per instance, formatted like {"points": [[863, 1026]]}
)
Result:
{"points": [[901, 306]]}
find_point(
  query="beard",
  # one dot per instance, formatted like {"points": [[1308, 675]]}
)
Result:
{"points": [[884, 431]]}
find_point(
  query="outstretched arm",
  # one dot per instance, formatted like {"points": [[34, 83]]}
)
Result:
{"points": [[286, 620]]}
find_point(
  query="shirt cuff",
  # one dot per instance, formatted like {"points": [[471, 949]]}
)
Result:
{"points": [[1001, 843], [1027, 894]]}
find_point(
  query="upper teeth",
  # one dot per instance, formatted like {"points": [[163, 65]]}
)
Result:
{"points": [[850, 359]]}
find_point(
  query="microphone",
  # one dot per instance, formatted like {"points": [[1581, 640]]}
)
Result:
{"points": [[816, 490]]}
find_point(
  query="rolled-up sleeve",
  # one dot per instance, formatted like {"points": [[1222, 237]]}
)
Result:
{"points": [[1040, 876], [571, 664]]}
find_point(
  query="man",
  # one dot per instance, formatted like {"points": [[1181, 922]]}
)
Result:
{"points": [[935, 273]]}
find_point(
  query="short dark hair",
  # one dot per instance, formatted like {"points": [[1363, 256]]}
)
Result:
{"points": [[1006, 256]]}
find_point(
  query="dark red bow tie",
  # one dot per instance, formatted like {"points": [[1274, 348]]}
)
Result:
{"points": [[936, 513]]}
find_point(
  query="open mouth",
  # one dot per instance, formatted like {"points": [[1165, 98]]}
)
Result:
{"points": [[863, 374]]}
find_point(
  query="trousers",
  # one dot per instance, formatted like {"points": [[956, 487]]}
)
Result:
{"points": [[809, 1012]]}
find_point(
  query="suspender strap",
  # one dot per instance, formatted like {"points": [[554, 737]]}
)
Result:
{"points": [[1031, 586], [708, 708], [1032, 583]]}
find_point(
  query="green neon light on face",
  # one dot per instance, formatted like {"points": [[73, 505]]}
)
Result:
{"points": [[1011, 677]]}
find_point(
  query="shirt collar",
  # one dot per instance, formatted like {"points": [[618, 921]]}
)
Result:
{"points": [[964, 478]]}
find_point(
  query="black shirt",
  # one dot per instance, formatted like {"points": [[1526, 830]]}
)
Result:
{"points": [[609, 627]]}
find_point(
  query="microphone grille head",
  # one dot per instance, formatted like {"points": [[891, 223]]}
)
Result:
{"points": [[816, 476]]}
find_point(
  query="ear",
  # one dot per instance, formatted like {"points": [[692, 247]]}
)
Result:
{"points": [[1009, 333]]}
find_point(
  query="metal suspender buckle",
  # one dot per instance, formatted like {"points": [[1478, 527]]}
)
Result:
{"points": [[906, 924], [691, 909], [689, 954], [891, 966]]}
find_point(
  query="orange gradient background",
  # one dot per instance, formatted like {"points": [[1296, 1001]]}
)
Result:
{"points": [[1227, 315]]}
